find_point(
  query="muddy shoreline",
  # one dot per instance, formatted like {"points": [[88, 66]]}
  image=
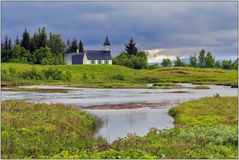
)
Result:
{"points": [[129, 106]]}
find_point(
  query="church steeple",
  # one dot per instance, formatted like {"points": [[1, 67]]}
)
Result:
{"points": [[107, 44]]}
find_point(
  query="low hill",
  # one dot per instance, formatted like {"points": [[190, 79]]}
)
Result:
{"points": [[26, 74]]}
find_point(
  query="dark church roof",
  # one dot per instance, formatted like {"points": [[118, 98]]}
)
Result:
{"points": [[77, 58], [98, 55]]}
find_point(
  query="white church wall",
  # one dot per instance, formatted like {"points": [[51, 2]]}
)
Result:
{"points": [[68, 59]]}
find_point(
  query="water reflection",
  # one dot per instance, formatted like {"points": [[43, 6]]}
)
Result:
{"points": [[120, 122]]}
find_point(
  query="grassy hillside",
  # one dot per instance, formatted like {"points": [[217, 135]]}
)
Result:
{"points": [[112, 75], [204, 128]]}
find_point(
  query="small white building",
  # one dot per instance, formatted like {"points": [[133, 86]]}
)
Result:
{"points": [[90, 56]]}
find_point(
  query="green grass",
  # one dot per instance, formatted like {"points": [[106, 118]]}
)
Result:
{"points": [[36, 130], [204, 128], [201, 87], [120, 76], [40, 90], [206, 112]]}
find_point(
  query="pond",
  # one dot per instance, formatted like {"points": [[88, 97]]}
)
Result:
{"points": [[118, 123]]}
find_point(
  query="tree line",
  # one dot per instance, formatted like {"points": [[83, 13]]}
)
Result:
{"points": [[203, 60], [38, 48]]}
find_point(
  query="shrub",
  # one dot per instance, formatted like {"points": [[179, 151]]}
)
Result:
{"points": [[118, 77], [154, 66], [201, 87], [53, 74], [68, 76], [234, 85], [3, 71], [12, 71], [84, 77], [137, 61], [149, 79], [216, 95], [93, 76], [32, 74]]}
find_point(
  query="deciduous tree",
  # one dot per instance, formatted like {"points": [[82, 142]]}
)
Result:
{"points": [[201, 59], [166, 62], [210, 60], [193, 61]]}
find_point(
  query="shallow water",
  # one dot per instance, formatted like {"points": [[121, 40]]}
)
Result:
{"points": [[120, 122]]}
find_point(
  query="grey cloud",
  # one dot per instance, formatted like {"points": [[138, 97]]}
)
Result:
{"points": [[153, 25]]}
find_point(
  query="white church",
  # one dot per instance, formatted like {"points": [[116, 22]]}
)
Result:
{"points": [[90, 56]]}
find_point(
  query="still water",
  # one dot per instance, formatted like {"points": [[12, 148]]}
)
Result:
{"points": [[118, 123]]}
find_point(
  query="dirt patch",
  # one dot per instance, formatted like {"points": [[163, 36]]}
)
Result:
{"points": [[129, 106], [179, 92]]}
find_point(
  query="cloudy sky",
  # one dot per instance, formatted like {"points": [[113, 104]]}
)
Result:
{"points": [[164, 29]]}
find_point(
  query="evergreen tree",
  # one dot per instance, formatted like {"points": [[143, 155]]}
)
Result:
{"points": [[9, 44], [210, 60], [81, 47], [130, 47], [6, 54], [5, 43], [74, 45], [33, 42], [25, 40], [193, 61], [39, 39], [42, 38], [17, 41], [68, 45]]}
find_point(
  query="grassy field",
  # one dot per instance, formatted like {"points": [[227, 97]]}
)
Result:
{"points": [[204, 128], [36, 130], [112, 76]]}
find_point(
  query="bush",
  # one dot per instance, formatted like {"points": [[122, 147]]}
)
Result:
{"points": [[84, 77], [68, 76], [216, 95], [234, 85], [53, 74], [201, 87], [138, 61], [12, 71], [93, 76], [118, 77], [32, 74], [154, 66], [149, 79], [3, 71]]}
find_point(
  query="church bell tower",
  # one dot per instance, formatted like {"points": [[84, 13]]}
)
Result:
{"points": [[106, 44]]}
